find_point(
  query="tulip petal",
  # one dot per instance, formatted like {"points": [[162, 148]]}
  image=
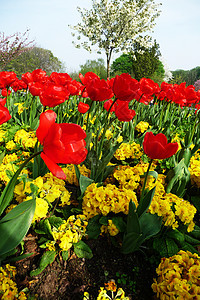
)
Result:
{"points": [[47, 119], [53, 167]]}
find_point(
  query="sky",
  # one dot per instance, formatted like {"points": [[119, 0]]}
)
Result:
{"points": [[176, 31]]}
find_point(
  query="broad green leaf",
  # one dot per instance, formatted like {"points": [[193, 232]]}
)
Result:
{"points": [[93, 228], [65, 255], [82, 250], [145, 202], [196, 202], [47, 258], [84, 182], [150, 225], [131, 242], [133, 224], [15, 225]]}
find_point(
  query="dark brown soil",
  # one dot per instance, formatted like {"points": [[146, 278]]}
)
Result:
{"points": [[68, 280]]}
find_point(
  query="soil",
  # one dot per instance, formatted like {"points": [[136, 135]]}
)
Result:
{"points": [[68, 280]]}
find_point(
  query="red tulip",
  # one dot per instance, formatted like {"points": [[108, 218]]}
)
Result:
{"points": [[157, 147], [108, 104], [39, 75], [83, 107], [6, 78], [125, 87], [4, 114], [27, 77], [99, 90], [3, 101], [62, 143], [53, 95], [123, 112], [4, 92], [18, 85], [60, 78], [35, 88], [88, 77]]}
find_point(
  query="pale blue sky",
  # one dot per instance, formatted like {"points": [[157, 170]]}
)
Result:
{"points": [[177, 29]]}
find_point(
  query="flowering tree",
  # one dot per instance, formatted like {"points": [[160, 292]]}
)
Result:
{"points": [[114, 25], [12, 46]]}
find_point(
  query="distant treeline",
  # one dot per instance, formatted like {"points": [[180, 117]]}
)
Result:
{"points": [[188, 76]]}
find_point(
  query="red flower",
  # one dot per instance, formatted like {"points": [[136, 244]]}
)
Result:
{"points": [[99, 90], [60, 78], [3, 101], [123, 112], [6, 78], [53, 95], [83, 107], [148, 86], [157, 147], [108, 104], [62, 143], [125, 87], [4, 114], [39, 75], [88, 77], [35, 88], [18, 85], [4, 92], [27, 77]]}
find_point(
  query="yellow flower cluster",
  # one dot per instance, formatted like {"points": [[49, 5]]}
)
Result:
{"points": [[111, 228], [26, 139], [142, 126], [195, 169], [20, 107], [103, 200], [10, 145], [178, 277], [70, 232], [120, 295], [50, 188], [128, 150], [4, 168], [71, 175], [172, 208], [2, 135], [129, 177], [8, 287]]}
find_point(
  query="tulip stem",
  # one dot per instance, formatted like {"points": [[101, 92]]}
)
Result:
{"points": [[145, 179], [105, 128]]}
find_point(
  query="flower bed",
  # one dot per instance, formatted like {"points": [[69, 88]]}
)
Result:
{"points": [[116, 160]]}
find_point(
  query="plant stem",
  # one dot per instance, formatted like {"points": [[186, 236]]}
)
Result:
{"points": [[145, 179]]}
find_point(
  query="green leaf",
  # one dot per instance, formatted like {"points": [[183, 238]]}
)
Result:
{"points": [[15, 225], [131, 242], [99, 175], [150, 225], [196, 202], [82, 250], [133, 224], [103, 220], [47, 258], [119, 223], [65, 255], [145, 202], [93, 228], [55, 221], [84, 182]]}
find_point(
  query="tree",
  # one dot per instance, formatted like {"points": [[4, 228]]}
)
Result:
{"points": [[12, 46], [36, 58], [188, 76], [113, 25], [122, 64], [95, 66], [140, 62]]}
